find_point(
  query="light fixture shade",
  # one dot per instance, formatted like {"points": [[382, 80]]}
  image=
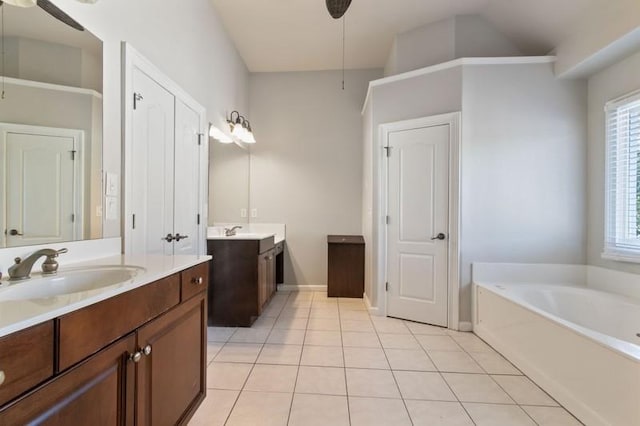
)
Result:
{"points": [[238, 131], [249, 138], [88, 1], [21, 3], [219, 135]]}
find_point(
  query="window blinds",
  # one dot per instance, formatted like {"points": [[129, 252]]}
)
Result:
{"points": [[622, 234]]}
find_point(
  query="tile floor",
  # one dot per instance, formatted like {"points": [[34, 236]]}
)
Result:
{"points": [[312, 360]]}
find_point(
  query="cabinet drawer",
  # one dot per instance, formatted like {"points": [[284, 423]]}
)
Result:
{"points": [[26, 359], [194, 280], [87, 330]]}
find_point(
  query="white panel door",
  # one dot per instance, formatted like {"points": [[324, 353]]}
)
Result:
{"points": [[41, 189], [152, 158], [187, 180], [418, 209]]}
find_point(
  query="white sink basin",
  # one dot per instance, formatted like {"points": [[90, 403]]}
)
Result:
{"points": [[241, 236], [69, 281]]}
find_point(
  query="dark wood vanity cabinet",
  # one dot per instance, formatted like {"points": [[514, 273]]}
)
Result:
{"points": [[153, 373], [242, 279]]}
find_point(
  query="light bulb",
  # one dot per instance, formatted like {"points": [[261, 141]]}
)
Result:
{"points": [[219, 135]]}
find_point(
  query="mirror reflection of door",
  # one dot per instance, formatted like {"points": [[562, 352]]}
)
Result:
{"points": [[42, 171]]}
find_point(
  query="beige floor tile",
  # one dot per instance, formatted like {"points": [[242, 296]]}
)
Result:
{"points": [[324, 313], [524, 391], [301, 304], [322, 356], [264, 322], [212, 350], [323, 338], [355, 325], [476, 388], [286, 337], [438, 413], [365, 358], [494, 363], [378, 412], [272, 378], [551, 416], [230, 376], [260, 408], [280, 354], [324, 324], [219, 334], [471, 343], [215, 408], [423, 385], [319, 410], [405, 359], [238, 352], [498, 415], [354, 315], [352, 307], [389, 325], [321, 380], [250, 335], [271, 311], [291, 323], [455, 362], [398, 341], [372, 383], [418, 328], [438, 343], [295, 312], [360, 340]]}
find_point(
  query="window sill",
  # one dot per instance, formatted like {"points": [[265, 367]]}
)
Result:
{"points": [[622, 256]]}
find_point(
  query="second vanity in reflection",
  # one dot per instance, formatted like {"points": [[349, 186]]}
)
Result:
{"points": [[245, 271]]}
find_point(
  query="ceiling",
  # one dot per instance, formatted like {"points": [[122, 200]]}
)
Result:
{"points": [[300, 35]]}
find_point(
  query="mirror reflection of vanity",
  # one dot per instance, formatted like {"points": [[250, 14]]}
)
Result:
{"points": [[51, 180], [229, 183]]}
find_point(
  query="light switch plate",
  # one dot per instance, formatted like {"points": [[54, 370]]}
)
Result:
{"points": [[111, 204], [243, 212], [254, 213], [111, 185]]}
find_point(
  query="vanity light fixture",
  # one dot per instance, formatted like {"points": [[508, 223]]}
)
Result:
{"points": [[219, 135], [241, 128]]}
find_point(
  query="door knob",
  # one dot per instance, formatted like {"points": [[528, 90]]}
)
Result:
{"points": [[179, 237], [168, 238], [14, 232], [440, 236]]}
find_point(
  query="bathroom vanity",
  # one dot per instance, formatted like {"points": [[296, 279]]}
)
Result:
{"points": [[128, 353], [245, 271]]}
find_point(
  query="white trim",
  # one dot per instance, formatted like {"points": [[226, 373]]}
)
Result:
{"points": [[131, 59], [454, 122], [51, 86], [509, 60], [372, 309], [465, 326], [296, 287], [621, 256]]}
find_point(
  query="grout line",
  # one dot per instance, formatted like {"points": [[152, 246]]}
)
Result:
{"points": [[344, 364]]}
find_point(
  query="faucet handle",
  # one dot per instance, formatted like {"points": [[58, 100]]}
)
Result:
{"points": [[62, 251]]}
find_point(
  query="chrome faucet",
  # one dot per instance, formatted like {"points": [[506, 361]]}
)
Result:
{"points": [[21, 270], [231, 232]]}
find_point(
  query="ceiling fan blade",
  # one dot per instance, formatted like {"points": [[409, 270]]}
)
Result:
{"points": [[337, 8], [54, 11]]}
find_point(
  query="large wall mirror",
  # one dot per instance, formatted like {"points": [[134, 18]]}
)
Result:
{"points": [[51, 183], [228, 183]]}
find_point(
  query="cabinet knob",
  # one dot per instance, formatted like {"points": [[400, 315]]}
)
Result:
{"points": [[147, 350], [2, 377], [197, 281], [136, 356]]}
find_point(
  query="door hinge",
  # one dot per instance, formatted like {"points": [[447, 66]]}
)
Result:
{"points": [[388, 150], [198, 219], [73, 155], [386, 286], [73, 217], [387, 219], [200, 136], [133, 221], [137, 97]]}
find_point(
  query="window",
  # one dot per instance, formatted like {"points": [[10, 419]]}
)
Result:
{"points": [[622, 233]]}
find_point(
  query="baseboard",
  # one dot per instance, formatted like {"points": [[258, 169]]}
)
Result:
{"points": [[373, 310], [295, 287], [465, 326]]}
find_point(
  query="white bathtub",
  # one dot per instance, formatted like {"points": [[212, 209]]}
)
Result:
{"points": [[578, 343]]}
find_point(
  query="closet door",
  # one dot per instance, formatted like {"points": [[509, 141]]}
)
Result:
{"points": [[187, 180], [152, 155]]}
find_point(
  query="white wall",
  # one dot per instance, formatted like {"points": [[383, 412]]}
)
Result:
{"points": [[608, 84], [187, 42], [523, 169], [306, 167]]}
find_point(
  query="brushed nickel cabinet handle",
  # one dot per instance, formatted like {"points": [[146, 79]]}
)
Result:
{"points": [[2, 377], [147, 350], [136, 356], [197, 281]]}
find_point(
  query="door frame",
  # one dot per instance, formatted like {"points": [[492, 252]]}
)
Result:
{"points": [[132, 59], [453, 285], [78, 171]]}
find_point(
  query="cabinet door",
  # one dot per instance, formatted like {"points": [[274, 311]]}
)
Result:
{"points": [[99, 391], [171, 376], [263, 280]]}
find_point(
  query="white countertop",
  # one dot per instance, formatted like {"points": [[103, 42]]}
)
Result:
{"points": [[16, 315], [248, 231]]}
